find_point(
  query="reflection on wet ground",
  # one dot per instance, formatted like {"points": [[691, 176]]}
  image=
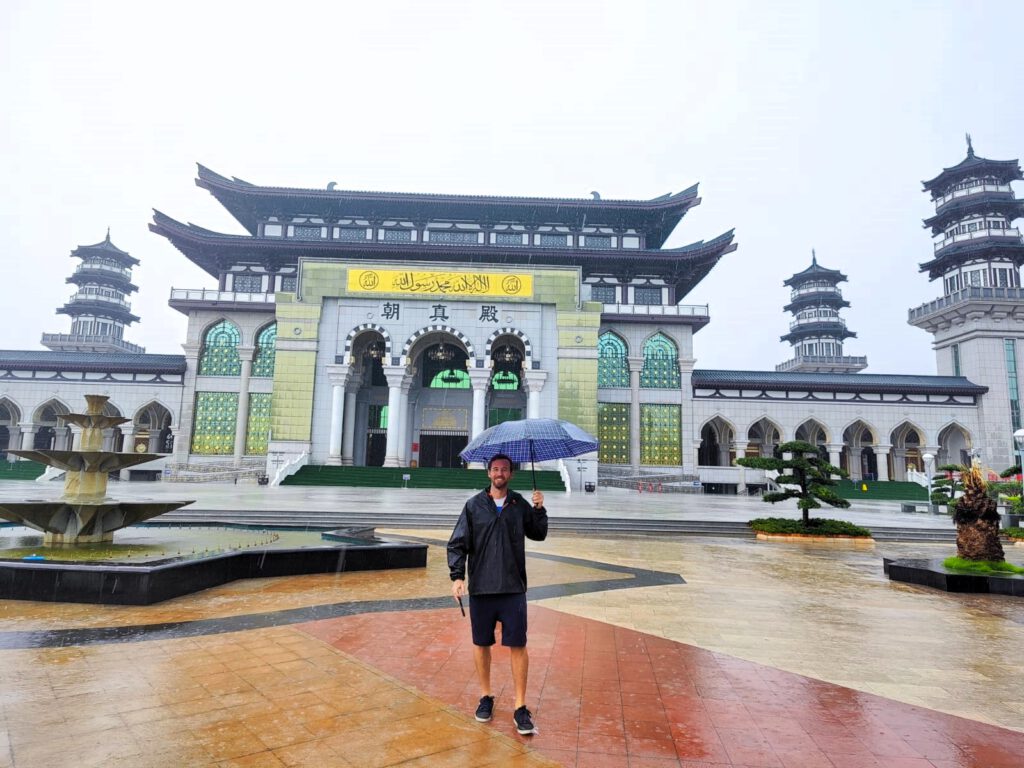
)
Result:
{"points": [[645, 651]]}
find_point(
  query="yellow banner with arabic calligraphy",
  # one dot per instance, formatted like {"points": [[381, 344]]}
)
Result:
{"points": [[414, 282]]}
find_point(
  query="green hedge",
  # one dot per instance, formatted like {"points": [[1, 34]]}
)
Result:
{"points": [[817, 526], [1016, 533]]}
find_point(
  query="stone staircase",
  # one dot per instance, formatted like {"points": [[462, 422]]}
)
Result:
{"points": [[419, 477]]}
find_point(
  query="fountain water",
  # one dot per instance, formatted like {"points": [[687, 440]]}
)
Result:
{"points": [[85, 514]]}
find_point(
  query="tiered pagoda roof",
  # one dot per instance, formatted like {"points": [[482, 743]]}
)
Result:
{"points": [[107, 249], [815, 272], [972, 166], [215, 252], [250, 204]]}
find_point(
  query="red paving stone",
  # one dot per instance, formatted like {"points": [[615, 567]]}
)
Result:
{"points": [[607, 696]]}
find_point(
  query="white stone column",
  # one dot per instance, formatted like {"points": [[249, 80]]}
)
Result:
{"points": [[127, 446], [835, 456], [480, 379], [242, 421], [535, 381], [337, 375], [76, 438], [882, 461], [349, 427], [741, 452], [28, 437], [636, 365], [394, 375]]}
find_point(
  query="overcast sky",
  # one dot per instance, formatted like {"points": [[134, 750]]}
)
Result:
{"points": [[807, 125]]}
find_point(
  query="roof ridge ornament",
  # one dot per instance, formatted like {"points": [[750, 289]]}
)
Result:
{"points": [[108, 234], [597, 195], [814, 258], [970, 146]]}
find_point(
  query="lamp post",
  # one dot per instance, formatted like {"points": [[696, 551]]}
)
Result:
{"points": [[581, 467], [928, 460]]}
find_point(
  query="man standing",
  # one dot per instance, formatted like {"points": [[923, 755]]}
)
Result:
{"points": [[490, 532]]}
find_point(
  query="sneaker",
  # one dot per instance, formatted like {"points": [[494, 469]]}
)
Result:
{"points": [[524, 721], [485, 710]]}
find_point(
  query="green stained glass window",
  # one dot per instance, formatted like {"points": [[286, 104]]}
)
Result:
{"points": [[659, 435], [505, 380], [213, 426], [612, 366], [451, 378], [499, 415], [378, 417], [258, 430], [613, 432], [263, 365], [661, 364], [219, 356]]}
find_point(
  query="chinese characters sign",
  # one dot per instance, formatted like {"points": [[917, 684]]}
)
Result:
{"points": [[497, 284]]}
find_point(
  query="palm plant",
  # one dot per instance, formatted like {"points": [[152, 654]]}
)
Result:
{"points": [[976, 519]]}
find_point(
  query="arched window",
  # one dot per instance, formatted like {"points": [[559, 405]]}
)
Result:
{"points": [[661, 364], [219, 356], [263, 365], [451, 378], [612, 366]]}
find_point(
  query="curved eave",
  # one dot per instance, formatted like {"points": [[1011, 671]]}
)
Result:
{"points": [[684, 267], [955, 255], [1004, 170], [824, 382], [100, 277], [97, 309], [106, 250], [818, 330], [17, 360], [816, 300], [249, 204], [815, 273], [1003, 203]]}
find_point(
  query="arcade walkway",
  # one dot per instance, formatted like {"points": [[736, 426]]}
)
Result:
{"points": [[656, 651]]}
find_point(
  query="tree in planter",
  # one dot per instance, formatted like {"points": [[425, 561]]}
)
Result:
{"points": [[805, 469], [947, 485], [976, 520]]}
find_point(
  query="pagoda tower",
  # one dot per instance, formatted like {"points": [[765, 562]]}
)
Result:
{"points": [[978, 321], [99, 309], [817, 331]]}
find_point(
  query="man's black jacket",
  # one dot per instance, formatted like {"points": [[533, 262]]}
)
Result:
{"points": [[495, 543]]}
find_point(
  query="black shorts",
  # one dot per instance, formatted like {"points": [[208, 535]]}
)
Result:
{"points": [[487, 610]]}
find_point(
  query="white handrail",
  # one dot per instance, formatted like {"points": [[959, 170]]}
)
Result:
{"points": [[563, 471], [290, 468]]}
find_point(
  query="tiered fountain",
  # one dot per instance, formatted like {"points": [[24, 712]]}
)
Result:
{"points": [[85, 517], [84, 514]]}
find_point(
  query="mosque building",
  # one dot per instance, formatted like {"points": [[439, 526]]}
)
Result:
{"points": [[388, 329]]}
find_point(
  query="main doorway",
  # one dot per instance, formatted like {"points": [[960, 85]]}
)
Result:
{"points": [[442, 450]]}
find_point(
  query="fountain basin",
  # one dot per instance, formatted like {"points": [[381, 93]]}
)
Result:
{"points": [[124, 581]]}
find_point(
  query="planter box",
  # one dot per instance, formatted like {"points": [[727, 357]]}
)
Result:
{"points": [[865, 541]]}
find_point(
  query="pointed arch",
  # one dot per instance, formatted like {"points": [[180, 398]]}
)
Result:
{"points": [[763, 436], [218, 355], [10, 411], [716, 438], [858, 459], [955, 443], [661, 363], [47, 412], [812, 431], [266, 350], [612, 361]]}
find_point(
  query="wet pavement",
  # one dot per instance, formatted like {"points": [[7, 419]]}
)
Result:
{"points": [[645, 651]]}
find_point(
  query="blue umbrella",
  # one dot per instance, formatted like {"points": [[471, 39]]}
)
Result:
{"points": [[530, 440]]}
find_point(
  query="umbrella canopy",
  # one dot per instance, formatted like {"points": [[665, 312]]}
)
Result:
{"points": [[530, 440]]}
